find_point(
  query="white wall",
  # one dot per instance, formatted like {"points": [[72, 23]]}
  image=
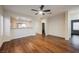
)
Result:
{"points": [[1, 25], [56, 25], [18, 33], [6, 28], [66, 26]]}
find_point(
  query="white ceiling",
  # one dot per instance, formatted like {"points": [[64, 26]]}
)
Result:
{"points": [[26, 9]]}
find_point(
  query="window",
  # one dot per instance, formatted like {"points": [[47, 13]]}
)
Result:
{"points": [[76, 26], [24, 25], [20, 23]]}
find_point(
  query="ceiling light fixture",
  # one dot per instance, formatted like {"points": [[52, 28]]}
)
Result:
{"points": [[40, 12]]}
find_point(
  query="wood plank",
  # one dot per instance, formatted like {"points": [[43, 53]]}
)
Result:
{"points": [[37, 44]]}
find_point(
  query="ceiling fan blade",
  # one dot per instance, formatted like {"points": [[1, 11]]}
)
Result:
{"points": [[36, 13], [43, 14], [46, 10], [34, 10], [42, 6]]}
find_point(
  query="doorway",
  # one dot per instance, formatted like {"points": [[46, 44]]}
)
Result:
{"points": [[43, 29], [75, 33], [75, 27]]}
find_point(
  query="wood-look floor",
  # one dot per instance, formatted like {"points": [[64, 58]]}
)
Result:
{"points": [[37, 44]]}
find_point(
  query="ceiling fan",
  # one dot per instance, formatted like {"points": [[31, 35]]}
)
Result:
{"points": [[41, 11]]}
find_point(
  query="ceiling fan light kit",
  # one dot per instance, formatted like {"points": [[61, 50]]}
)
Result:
{"points": [[40, 12]]}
